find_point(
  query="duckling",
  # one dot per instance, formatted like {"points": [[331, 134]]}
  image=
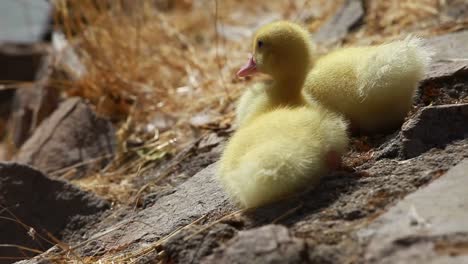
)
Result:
{"points": [[372, 86], [284, 151], [286, 58]]}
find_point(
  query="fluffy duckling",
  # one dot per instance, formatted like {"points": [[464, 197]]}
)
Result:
{"points": [[372, 86], [286, 57], [283, 151]]}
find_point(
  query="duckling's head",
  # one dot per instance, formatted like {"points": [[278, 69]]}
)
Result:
{"points": [[280, 49]]}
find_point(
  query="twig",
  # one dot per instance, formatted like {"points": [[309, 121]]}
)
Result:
{"points": [[216, 222], [287, 213], [217, 57], [22, 247]]}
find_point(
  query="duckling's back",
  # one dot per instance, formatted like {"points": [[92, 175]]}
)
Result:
{"points": [[280, 152], [373, 86]]}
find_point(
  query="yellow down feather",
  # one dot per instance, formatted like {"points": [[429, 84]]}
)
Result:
{"points": [[279, 153]]}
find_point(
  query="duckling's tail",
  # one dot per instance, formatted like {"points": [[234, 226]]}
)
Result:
{"points": [[397, 66]]}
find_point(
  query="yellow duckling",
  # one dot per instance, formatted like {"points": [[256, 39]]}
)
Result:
{"points": [[372, 86], [281, 152], [286, 57]]}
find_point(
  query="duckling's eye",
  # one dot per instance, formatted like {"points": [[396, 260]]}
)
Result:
{"points": [[260, 43]]}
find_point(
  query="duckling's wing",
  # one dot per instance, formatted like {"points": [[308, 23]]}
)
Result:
{"points": [[392, 66]]}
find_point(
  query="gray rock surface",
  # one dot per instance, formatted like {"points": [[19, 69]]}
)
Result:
{"points": [[430, 127], [198, 196], [187, 247], [338, 26], [434, 126], [446, 69], [449, 46], [448, 56], [266, 244], [73, 134], [426, 226], [47, 205]]}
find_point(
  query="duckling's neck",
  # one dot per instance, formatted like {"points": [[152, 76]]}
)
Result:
{"points": [[287, 91]]}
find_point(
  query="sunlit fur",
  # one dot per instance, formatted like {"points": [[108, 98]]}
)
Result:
{"points": [[285, 56], [373, 86], [279, 153]]}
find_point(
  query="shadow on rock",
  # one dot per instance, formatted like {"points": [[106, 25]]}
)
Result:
{"points": [[294, 209], [434, 126], [34, 206]]}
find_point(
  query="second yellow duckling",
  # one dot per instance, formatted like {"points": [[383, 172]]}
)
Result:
{"points": [[373, 86], [281, 152]]}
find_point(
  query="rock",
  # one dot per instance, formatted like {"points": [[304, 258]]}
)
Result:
{"points": [[328, 215], [439, 70], [427, 226], [189, 161], [25, 21], [390, 149], [445, 81], [73, 134], [434, 126], [448, 46], [338, 26], [210, 141], [46, 205], [201, 195], [331, 254], [447, 51], [188, 248], [267, 244]]}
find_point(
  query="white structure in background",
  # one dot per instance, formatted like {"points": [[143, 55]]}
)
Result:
{"points": [[24, 21]]}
